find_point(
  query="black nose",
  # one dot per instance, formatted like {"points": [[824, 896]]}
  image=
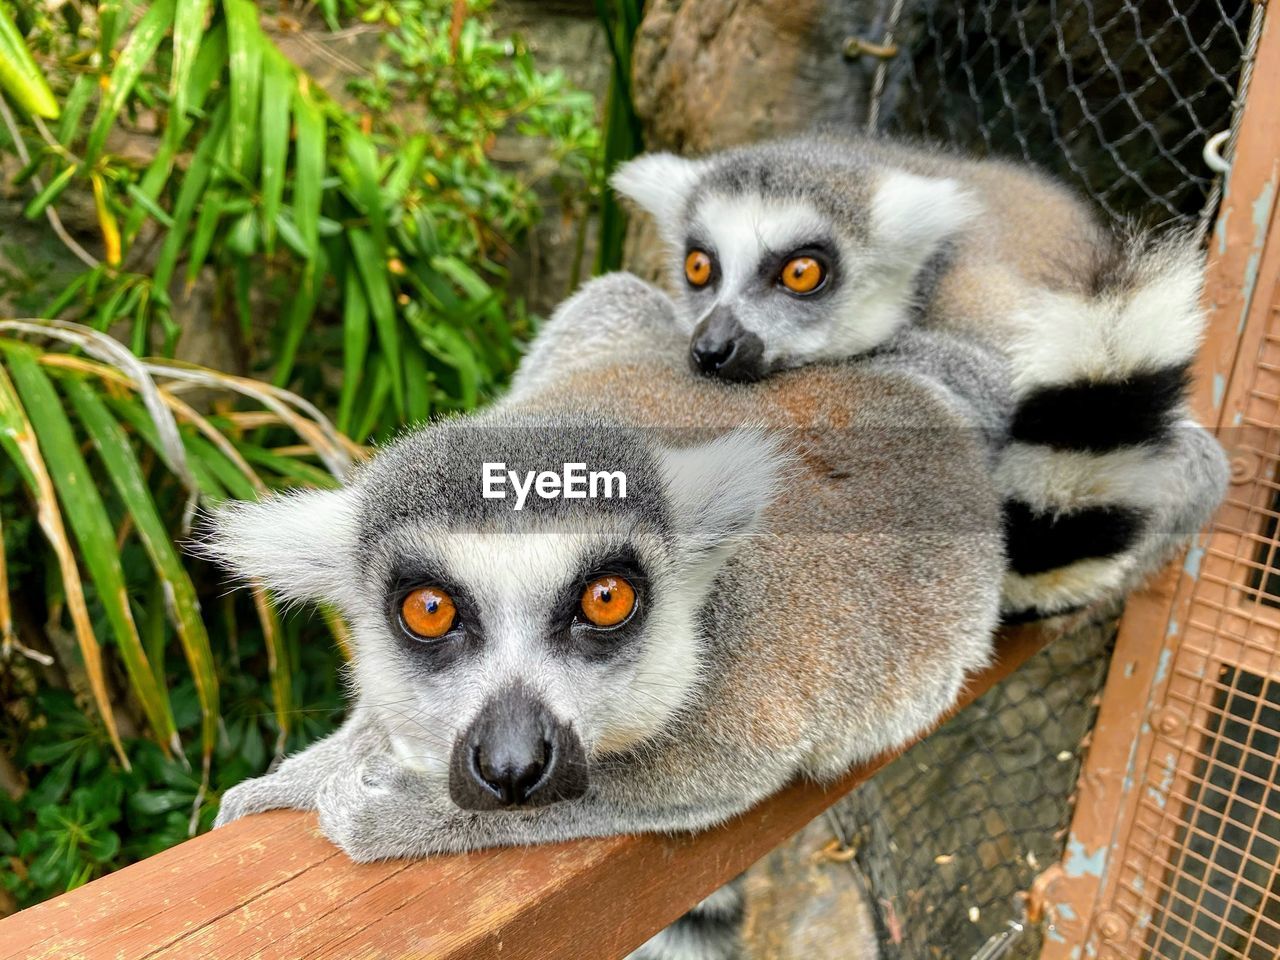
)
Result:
{"points": [[709, 355], [722, 348], [516, 753], [511, 770]]}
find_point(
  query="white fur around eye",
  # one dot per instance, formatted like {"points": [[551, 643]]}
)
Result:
{"points": [[745, 229]]}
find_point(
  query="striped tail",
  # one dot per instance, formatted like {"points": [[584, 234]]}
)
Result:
{"points": [[1105, 475]]}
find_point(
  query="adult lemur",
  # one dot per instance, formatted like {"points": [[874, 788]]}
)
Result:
{"points": [[660, 662], [817, 249]]}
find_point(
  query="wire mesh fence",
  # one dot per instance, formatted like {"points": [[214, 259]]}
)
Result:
{"points": [[951, 834], [1120, 99], [1116, 97]]}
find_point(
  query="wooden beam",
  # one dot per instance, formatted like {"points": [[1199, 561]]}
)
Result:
{"points": [[272, 886]]}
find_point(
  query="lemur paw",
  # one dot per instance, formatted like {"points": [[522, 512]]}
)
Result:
{"points": [[371, 810], [251, 796]]}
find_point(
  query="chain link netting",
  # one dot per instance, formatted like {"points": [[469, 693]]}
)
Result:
{"points": [[1119, 99], [952, 834]]}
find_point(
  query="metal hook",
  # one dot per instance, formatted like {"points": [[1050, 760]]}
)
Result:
{"points": [[855, 47], [1213, 158]]}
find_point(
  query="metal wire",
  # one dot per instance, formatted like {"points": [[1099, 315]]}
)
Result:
{"points": [[1117, 97], [951, 834]]}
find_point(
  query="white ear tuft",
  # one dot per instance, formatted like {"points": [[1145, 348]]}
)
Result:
{"points": [[298, 545], [920, 213], [721, 489], [659, 182]]}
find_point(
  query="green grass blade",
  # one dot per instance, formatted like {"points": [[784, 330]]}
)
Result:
{"points": [[132, 61], [220, 469], [406, 169], [69, 293], [148, 205], [52, 190], [291, 469], [193, 186], [180, 595], [73, 107], [150, 613], [309, 168], [188, 31], [93, 530], [330, 10], [369, 259], [18, 438], [20, 78], [448, 346], [418, 380], [245, 44], [208, 67], [206, 225], [300, 313], [363, 174], [198, 450], [623, 137], [110, 23], [378, 392], [355, 344], [277, 84]]}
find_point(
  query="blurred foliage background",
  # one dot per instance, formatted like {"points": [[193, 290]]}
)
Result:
{"points": [[198, 233]]}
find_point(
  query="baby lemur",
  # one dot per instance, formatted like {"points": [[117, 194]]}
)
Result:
{"points": [[801, 575], [819, 249]]}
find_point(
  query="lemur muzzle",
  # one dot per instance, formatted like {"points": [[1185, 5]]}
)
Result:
{"points": [[516, 753], [722, 347]]}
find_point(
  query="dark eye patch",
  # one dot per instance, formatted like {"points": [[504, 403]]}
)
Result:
{"points": [[570, 633], [695, 243], [771, 265], [465, 638]]}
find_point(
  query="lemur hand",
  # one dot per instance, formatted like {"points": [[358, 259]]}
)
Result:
{"points": [[975, 376], [296, 782], [375, 808]]}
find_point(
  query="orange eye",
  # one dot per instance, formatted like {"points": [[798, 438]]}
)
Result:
{"points": [[803, 275], [428, 612], [608, 601], [697, 268]]}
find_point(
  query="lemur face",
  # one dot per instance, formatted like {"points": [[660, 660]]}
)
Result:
{"points": [[508, 651], [785, 258], [765, 282]]}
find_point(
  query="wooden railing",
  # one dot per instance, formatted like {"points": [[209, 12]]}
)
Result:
{"points": [[272, 886]]}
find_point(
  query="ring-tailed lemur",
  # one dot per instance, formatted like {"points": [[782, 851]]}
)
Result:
{"points": [[801, 575], [819, 249]]}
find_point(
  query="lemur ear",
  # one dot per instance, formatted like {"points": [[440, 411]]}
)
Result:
{"points": [[919, 213], [295, 544], [721, 489], [658, 182]]}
